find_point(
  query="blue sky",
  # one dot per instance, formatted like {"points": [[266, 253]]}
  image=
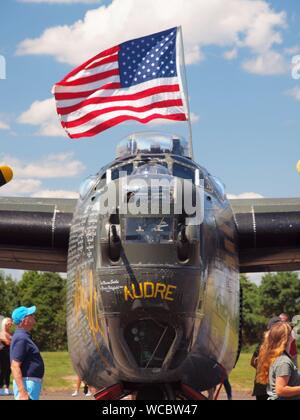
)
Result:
{"points": [[247, 120]]}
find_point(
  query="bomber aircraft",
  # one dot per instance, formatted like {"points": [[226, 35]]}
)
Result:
{"points": [[154, 306]]}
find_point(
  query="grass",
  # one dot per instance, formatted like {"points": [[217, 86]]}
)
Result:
{"points": [[60, 374], [242, 377]]}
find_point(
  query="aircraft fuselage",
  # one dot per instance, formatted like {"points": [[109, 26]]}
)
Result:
{"points": [[152, 299]]}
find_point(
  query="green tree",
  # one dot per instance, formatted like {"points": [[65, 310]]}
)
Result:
{"points": [[2, 299], [48, 292], [280, 293], [254, 321], [9, 299]]}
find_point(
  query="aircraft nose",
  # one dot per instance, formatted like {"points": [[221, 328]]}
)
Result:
{"points": [[150, 342], [153, 338], [151, 316]]}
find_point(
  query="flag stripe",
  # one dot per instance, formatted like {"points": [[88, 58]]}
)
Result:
{"points": [[92, 79], [90, 86], [113, 114], [140, 103], [68, 96], [138, 80], [79, 95], [93, 114], [110, 59], [131, 97], [104, 90], [112, 65], [95, 59], [118, 120]]}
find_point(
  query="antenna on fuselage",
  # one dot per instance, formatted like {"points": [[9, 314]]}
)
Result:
{"points": [[186, 95]]}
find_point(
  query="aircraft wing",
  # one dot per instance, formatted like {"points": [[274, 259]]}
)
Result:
{"points": [[269, 234], [34, 233]]}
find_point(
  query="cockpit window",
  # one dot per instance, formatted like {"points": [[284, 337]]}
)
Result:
{"points": [[180, 159], [208, 185], [145, 162], [153, 143], [152, 168], [184, 172], [116, 173], [219, 186], [151, 230], [87, 186]]}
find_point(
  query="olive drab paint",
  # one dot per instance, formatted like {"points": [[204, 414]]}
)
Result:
{"points": [[152, 298]]}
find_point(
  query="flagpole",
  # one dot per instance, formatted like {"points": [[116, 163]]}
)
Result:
{"points": [[186, 94]]}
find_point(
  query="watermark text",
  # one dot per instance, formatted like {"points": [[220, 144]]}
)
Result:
{"points": [[139, 196], [296, 67], [2, 68]]}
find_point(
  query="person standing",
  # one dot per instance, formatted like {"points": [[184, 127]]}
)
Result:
{"points": [[260, 390], [275, 366], [27, 365], [228, 388], [86, 389], [293, 350], [5, 340]]}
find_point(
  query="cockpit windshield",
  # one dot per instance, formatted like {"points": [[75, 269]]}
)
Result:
{"points": [[153, 168], [153, 143], [151, 230]]}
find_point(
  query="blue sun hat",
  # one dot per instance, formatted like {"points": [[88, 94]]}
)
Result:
{"points": [[22, 312]]}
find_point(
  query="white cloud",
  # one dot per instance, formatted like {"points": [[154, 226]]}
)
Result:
{"points": [[44, 115], [267, 64], [247, 195], [33, 188], [28, 177], [231, 24], [53, 166], [4, 126], [55, 194], [256, 277], [292, 50], [194, 118], [295, 93], [20, 187], [231, 54], [61, 1], [16, 274]]}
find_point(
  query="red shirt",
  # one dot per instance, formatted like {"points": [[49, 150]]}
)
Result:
{"points": [[293, 349]]}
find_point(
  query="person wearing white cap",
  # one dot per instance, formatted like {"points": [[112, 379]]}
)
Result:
{"points": [[27, 365]]}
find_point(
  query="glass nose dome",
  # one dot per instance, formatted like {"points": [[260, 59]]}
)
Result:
{"points": [[151, 169], [153, 143]]}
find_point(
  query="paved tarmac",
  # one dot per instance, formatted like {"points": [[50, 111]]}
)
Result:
{"points": [[66, 395]]}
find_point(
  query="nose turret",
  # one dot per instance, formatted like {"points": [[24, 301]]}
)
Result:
{"points": [[156, 274], [153, 143]]}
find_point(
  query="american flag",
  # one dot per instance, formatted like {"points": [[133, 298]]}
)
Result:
{"points": [[136, 80]]}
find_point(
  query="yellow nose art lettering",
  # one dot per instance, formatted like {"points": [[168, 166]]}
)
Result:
{"points": [[150, 290]]}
